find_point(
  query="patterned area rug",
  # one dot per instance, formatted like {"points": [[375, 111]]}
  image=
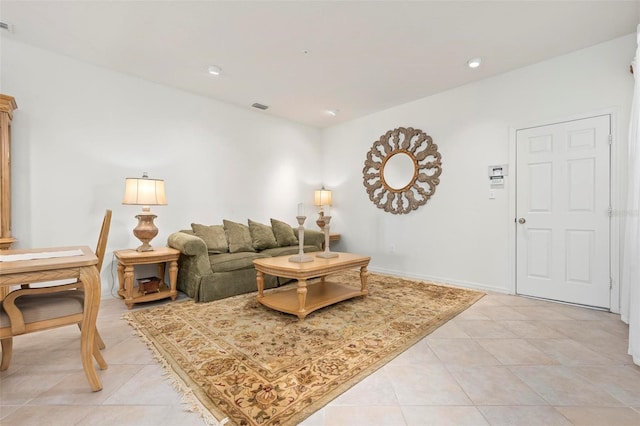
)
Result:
{"points": [[250, 365]]}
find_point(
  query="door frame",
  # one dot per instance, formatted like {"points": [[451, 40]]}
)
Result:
{"points": [[617, 153]]}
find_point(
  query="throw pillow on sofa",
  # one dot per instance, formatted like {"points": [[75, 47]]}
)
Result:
{"points": [[285, 235], [238, 236], [214, 237], [262, 236]]}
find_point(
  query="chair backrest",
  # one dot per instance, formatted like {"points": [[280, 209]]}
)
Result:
{"points": [[101, 248]]}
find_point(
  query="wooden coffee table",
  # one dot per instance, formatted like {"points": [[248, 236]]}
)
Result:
{"points": [[303, 300]]}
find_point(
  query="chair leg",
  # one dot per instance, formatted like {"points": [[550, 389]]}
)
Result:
{"points": [[99, 359], [99, 341], [97, 345], [7, 350]]}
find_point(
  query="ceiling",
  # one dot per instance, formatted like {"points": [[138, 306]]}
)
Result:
{"points": [[302, 58]]}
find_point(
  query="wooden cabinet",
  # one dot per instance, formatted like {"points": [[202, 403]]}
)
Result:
{"points": [[7, 105]]}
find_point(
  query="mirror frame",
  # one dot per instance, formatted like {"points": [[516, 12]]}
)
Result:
{"points": [[427, 163]]}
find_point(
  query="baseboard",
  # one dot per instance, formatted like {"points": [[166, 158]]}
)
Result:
{"points": [[454, 282]]}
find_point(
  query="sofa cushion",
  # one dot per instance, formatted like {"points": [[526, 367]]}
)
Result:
{"points": [[228, 262], [214, 237], [262, 236], [238, 236], [285, 235]]}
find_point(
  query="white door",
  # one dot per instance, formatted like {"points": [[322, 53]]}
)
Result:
{"points": [[562, 209]]}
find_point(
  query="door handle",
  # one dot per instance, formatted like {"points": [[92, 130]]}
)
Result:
{"points": [[522, 220]]}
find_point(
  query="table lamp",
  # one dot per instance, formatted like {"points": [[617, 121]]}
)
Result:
{"points": [[145, 192], [322, 198]]}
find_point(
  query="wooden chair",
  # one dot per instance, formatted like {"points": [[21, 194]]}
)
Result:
{"points": [[33, 309]]}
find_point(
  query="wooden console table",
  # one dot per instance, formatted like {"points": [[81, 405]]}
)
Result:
{"points": [[303, 300], [128, 259]]}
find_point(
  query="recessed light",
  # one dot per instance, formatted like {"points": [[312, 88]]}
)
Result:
{"points": [[333, 112], [214, 70], [474, 62]]}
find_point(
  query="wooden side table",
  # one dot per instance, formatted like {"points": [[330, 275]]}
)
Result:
{"points": [[332, 239], [127, 259]]}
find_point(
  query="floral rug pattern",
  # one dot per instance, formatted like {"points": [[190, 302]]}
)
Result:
{"points": [[256, 366]]}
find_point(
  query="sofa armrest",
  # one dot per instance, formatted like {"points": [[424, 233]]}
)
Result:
{"points": [[314, 238], [189, 245], [193, 251]]}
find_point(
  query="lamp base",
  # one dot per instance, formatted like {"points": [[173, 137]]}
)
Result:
{"points": [[145, 247], [300, 259], [327, 255], [325, 228], [320, 220], [145, 231]]}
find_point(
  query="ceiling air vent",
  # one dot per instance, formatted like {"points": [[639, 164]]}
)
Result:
{"points": [[6, 26], [259, 106]]}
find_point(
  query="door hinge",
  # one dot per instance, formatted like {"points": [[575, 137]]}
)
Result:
{"points": [[610, 283], [610, 139], [610, 211]]}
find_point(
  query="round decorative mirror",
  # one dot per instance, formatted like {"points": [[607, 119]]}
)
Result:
{"points": [[398, 171], [402, 170]]}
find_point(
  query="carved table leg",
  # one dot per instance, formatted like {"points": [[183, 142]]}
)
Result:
{"points": [[161, 268], [128, 286], [363, 280], [173, 279], [302, 298], [121, 291], [91, 282], [260, 282]]}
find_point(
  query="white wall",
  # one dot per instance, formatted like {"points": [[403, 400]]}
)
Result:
{"points": [[79, 130], [461, 236]]}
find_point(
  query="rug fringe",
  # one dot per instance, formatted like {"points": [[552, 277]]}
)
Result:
{"points": [[192, 403]]}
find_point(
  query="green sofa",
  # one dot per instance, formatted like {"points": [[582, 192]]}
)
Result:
{"points": [[216, 261]]}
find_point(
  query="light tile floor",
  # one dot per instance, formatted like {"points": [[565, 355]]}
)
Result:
{"points": [[507, 360]]}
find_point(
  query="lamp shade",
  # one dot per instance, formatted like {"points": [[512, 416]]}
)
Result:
{"points": [[322, 197], [144, 191]]}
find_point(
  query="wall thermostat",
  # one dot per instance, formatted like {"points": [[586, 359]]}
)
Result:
{"points": [[497, 174]]}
